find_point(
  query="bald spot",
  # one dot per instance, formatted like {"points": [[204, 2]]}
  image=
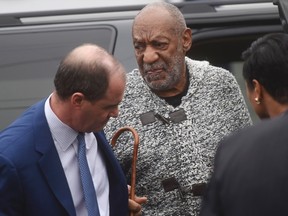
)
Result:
{"points": [[87, 53], [157, 15], [90, 53], [153, 18]]}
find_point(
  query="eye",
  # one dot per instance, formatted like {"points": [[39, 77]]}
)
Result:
{"points": [[159, 45], [113, 106], [139, 47]]}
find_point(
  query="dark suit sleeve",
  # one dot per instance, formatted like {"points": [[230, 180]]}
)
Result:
{"points": [[211, 205], [10, 189]]}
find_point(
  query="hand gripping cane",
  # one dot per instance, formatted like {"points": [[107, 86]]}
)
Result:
{"points": [[134, 160]]}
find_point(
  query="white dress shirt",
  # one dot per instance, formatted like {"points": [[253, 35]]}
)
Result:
{"points": [[65, 139]]}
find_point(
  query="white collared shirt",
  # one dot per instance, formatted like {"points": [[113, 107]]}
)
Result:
{"points": [[65, 139]]}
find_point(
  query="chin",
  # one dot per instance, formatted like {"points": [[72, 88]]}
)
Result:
{"points": [[156, 85]]}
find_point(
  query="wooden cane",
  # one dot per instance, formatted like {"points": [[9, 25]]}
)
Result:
{"points": [[134, 159]]}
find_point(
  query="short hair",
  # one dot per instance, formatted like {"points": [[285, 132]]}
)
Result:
{"points": [[266, 61], [174, 12], [86, 74]]}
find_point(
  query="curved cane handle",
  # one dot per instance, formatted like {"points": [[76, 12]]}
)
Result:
{"points": [[135, 152]]}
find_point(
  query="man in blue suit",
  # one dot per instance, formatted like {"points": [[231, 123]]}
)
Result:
{"points": [[39, 171]]}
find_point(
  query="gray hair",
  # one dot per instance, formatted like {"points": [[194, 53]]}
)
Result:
{"points": [[174, 12]]}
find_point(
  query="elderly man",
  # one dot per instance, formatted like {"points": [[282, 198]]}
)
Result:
{"points": [[180, 107]]}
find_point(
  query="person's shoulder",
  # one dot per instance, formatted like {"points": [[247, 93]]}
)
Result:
{"points": [[135, 84], [133, 77], [205, 69], [23, 125], [266, 137], [204, 65], [260, 131], [135, 73]]}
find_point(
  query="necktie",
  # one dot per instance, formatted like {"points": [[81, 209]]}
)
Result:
{"points": [[86, 179]]}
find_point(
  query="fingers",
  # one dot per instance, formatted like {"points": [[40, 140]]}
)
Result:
{"points": [[135, 205], [140, 200]]}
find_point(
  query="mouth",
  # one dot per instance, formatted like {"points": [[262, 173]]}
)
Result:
{"points": [[154, 75], [154, 71]]}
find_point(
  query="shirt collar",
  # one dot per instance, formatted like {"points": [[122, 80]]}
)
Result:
{"points": [[62, 133]]}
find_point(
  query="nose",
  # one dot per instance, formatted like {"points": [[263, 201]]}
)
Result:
{"points": [[114, 113], [150, 55]]}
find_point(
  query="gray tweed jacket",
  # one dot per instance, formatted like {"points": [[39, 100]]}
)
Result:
{"points": [[175, 158]]}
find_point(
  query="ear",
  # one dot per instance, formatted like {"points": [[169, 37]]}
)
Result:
{"points": [[258, 91], [187, 39], [77, 99]]}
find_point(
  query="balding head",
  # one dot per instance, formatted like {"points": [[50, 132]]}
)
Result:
{"points": [[87, 54], [86, 69], [158, 13]]}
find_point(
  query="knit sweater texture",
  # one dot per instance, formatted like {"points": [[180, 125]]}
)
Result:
{"points": [[183, 151]]}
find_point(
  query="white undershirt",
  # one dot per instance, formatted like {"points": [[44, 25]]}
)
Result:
{"points": [[65, 139]]}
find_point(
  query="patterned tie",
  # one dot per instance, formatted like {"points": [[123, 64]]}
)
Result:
{"points": [[86, 179]]}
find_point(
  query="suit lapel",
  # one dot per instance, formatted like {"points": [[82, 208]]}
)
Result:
{"points": [[110, 160], [52, 169], [118, 193], [50, 163]]}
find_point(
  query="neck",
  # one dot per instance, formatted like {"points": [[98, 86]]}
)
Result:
{"points": [[60, 108], [277, 110], [273, 108]]}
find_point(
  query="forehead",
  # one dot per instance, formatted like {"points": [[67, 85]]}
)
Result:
{"points": [[153, 23]]}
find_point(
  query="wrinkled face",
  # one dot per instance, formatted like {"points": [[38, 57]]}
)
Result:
{"points": [[95, 115], [158, 51]]}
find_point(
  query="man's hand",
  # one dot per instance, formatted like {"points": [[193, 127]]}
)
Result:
{"points": [[135, 205]]}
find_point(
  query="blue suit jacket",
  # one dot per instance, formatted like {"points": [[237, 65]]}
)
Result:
{"points": [[32, 180]]}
